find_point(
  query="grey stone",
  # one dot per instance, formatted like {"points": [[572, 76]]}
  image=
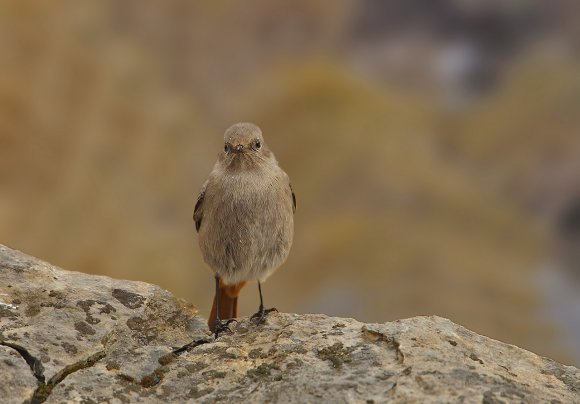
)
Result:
{"points": [[62, 322], [17, 379], [71, 337]]}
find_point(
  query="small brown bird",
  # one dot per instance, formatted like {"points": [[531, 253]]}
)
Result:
{"points": [[244, 217]]}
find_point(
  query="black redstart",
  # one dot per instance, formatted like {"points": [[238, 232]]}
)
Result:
{"points": [[244, 217]]}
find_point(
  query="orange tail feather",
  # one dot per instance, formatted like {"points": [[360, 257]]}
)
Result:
{"points": [[228, 303]]}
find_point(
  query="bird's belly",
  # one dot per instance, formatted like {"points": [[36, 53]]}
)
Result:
{"points": [[246, 237]]}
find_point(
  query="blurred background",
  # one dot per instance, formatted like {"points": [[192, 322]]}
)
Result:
{"points": [[434, 148]]}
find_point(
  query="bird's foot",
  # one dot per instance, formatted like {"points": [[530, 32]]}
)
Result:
{"points": [[223, 326], [260, 315]]}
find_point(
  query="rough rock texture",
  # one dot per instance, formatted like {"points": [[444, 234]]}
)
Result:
{"points": [[71, 337], [56, 323]]}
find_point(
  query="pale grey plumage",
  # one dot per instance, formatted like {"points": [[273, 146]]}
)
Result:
{"points": [[244, 213]]}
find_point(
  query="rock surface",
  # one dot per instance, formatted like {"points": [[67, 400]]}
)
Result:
{"points": [[72, 337]]}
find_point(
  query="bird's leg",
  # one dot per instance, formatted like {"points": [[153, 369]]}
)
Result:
{"points": [[220, 326], [261, 314]]}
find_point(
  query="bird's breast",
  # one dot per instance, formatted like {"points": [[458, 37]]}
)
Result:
{"points": [[247, 225]]}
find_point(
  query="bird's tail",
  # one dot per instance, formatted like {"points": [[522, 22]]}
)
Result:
{"points": [[228, 303]]}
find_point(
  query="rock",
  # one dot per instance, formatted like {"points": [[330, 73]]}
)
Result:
{"points": [[61, 322], [71, 337], [18, 381]]}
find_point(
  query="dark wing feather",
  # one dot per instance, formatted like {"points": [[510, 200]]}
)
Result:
{"points": [[198, 210], [293, 199]]}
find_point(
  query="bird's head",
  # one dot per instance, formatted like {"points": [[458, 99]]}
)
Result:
{"points": [[243, 138], [244, 149]]}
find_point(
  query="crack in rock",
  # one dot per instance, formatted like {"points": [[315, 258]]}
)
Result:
{"points": [[35, 364], [155, 377], [43, 390], [190, 346]]}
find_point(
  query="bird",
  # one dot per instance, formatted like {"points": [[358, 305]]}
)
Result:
{"points": [[244, 219]]}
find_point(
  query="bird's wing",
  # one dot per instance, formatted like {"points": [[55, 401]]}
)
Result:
{"points": [[198, 211], [293, 199]]}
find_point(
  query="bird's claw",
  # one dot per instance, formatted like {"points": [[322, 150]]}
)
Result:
{"points": [[260, 315], [222, 326]]}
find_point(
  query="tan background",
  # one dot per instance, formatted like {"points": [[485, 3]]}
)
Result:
{"points": [[420, 141]]}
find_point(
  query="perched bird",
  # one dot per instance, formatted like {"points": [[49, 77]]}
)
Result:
{"points": [[244, 217]]}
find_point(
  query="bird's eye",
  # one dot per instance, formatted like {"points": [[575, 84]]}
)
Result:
{"points": [[258, 144], [227, 148]]}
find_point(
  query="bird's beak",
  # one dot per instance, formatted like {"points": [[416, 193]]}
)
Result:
{"points": [[239, 148]]}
